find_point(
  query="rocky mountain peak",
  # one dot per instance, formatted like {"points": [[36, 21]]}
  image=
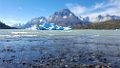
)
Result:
{"points": [[63, 12], [64, 17]]}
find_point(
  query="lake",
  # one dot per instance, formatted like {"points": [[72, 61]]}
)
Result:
{"points": [[59, 49]]}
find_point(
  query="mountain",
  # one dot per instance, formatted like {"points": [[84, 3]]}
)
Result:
{"points": [[85, 20], [4, 26], [35, 21], [18, 25], [64, 17], [102, 18]]}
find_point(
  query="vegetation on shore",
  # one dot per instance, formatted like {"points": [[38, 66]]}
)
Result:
{"points": [[101, 25]]}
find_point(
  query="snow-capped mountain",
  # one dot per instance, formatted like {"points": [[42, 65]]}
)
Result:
{"points": [[85, 20], [35, 21], [64, 17], [102, 18]]}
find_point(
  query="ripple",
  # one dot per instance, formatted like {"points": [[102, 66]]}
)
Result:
{"points": [[20, 32]]}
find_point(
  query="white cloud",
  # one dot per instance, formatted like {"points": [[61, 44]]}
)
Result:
{"points": [[12, 21], [111, 7], [76, 8], [106, 7], [98, 5], [111, 11]]}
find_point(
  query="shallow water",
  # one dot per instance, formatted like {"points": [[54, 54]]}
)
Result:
{"points": [[59, 49]]}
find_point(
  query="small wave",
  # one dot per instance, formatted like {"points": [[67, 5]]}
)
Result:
{"points": [[96, 35], [17, 35], [19, 32], [24, 35], [51, 34], [5, 36]]}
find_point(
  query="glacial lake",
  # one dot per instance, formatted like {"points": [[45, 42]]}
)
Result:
{"points": [[59, 49]]}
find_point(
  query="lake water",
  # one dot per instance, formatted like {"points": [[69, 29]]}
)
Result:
{"points": [[59, 49]]}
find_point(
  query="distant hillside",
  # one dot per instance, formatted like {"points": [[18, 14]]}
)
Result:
{"points": [[4, 26], [112, 24]]}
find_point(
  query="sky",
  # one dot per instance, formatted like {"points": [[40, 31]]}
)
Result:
{"points": [[21, 11]]}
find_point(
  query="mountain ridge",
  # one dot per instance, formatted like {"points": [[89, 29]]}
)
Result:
{"points": [[66, 18], [4, 26]]}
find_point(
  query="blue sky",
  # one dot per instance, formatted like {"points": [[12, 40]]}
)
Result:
{"points": [[20, 11]]}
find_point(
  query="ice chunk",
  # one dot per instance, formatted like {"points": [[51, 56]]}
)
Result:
{"points": [[48, 26]]}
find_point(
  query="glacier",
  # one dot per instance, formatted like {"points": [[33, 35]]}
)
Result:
{"points": [[48, 26]]}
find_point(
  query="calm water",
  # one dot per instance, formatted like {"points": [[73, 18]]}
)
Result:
{"points": [[59, 49]]}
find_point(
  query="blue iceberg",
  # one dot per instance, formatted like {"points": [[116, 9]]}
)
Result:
{"points": [[51, 26]]}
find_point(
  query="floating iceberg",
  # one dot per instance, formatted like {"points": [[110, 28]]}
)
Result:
{"points": [[48, 26]]}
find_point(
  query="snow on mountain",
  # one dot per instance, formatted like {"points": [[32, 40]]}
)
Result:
{"points": [[64, 17], [19, 25], [85, 20], [35, 21]]}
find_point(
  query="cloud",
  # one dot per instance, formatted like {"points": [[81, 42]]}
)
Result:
{"points": [[12, 21], [98, 5], [105, 7], [110, 7], [76, 8]]}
